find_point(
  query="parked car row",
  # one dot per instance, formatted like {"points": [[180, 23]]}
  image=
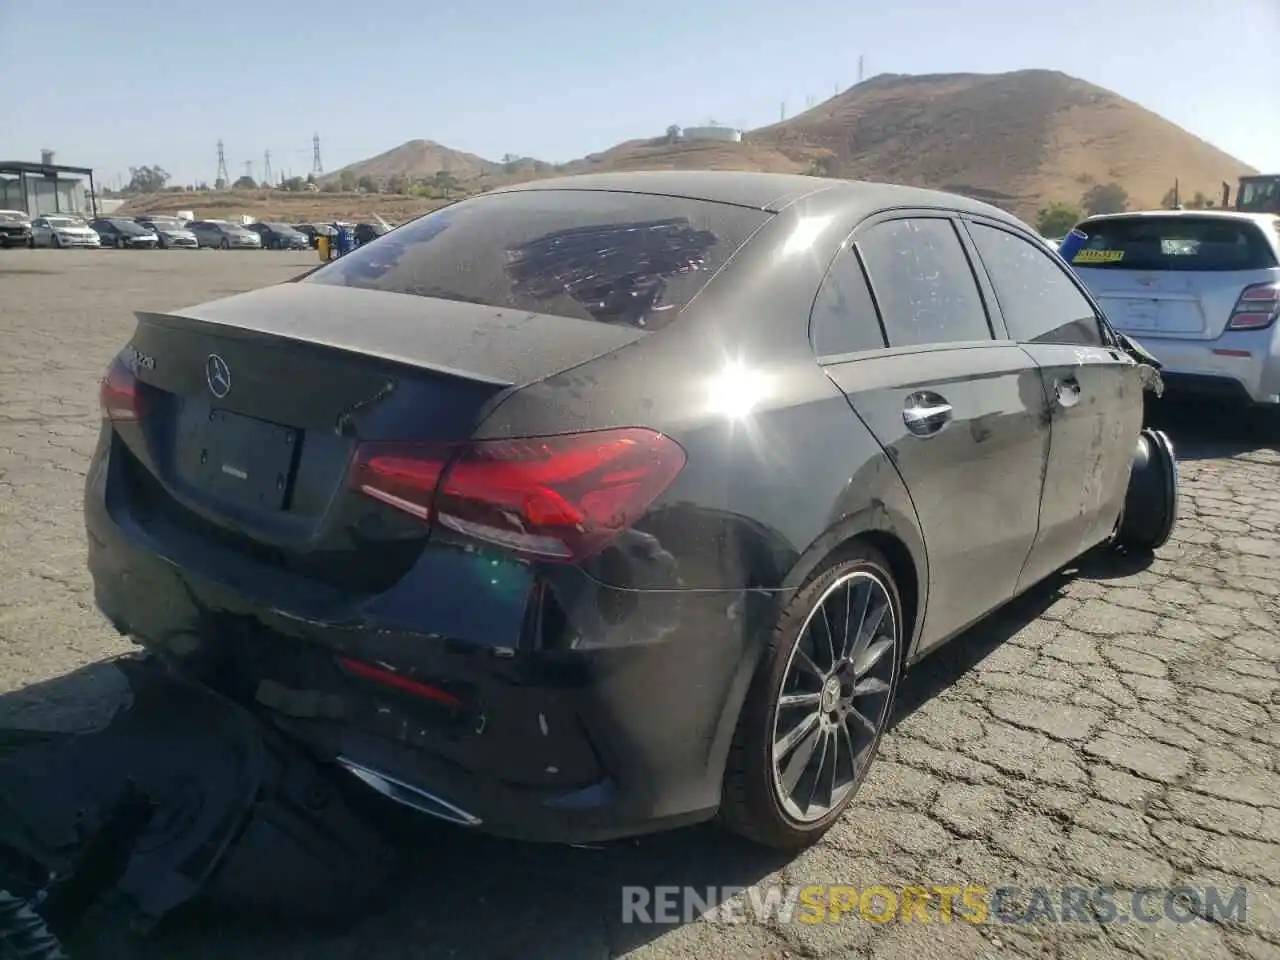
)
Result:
{"points": [[169, 233]]}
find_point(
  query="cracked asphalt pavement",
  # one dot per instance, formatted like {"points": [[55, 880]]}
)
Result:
{"points": [[1119, 725]]}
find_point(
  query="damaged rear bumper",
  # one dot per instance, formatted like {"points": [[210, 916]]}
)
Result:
{"points": [[564, 744]]}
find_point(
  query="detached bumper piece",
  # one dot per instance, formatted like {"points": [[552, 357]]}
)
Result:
{"points": [[183, 796]]}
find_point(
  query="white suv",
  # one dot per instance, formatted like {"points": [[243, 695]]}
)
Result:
{"points": [[1200, 289]]}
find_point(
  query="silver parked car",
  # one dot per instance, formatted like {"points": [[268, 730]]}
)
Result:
{"points": [[63, 230], [224, 235], [1200, 289], [172, 231]]}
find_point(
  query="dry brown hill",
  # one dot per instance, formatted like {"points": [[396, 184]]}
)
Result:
{"points": [[418, 160], [1022, 139], [659, 154]]}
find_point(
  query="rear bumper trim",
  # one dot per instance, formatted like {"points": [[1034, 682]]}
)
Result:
{"points": [[408, 795]]}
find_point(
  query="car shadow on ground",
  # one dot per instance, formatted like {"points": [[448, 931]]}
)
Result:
{"points": [[1208, 429], [463, 895]]}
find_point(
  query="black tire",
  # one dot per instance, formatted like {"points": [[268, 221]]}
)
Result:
{"points": [[1151, 503], [55, 242], [23, 934], [225, 244], [751, 802]]}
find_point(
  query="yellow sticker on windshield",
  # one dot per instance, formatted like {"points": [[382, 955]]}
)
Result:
{"points": [[1098, 256]]}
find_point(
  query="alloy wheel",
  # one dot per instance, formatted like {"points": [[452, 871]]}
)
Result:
{"points": [[835, 696]]}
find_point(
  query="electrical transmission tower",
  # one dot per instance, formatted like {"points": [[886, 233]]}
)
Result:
{"points": [[248, 169], [316, 166], [266, 168], [222, 166]]}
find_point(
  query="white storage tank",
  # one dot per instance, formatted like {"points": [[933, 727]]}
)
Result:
{"points": [[724, 134]]}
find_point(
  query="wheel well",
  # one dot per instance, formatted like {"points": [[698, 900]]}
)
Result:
{"points": [[903, 569]]}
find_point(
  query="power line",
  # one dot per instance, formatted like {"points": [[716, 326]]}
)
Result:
{"points": [[222, 166]]}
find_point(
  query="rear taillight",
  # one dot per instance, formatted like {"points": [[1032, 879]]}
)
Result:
{"points": [[120, 395], [1257, 307], [558, 498]]}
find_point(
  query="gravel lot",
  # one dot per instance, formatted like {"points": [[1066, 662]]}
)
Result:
{"points": [[1120, 725]]}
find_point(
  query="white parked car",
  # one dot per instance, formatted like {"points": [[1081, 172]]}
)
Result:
{"points": [[63, 230], [1200, 289]]}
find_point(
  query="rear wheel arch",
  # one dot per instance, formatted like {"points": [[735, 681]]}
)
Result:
{"points": [[892, 537]]}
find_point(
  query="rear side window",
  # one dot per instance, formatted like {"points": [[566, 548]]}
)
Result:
{"points": [[923, 283], [1173, 243], [1039, 301], [624, 258], [844, 315]]}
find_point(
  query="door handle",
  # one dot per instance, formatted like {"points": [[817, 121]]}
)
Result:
{"points": [[925, 414], [1067, 392]]}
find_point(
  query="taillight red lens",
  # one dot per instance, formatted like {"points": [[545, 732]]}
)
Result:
{"points": [[120, 395], [1257, 307], [559, 498]]}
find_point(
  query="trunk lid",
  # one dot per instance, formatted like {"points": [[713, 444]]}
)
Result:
{"points": [[1182, 304], [256, 404]]}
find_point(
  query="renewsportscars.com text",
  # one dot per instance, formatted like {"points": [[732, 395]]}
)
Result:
{"points": [[834, 903]]}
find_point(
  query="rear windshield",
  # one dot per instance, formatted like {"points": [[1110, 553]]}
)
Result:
{"points": [[1261, 195], [1173, 243], [623, 258]]}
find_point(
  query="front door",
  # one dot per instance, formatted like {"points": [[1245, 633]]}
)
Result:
{"points": [[957, 412], [1093, 395]]}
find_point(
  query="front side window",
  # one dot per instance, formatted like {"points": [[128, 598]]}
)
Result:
{"points": [[625, 258], [1039, 301], [923, 283]]}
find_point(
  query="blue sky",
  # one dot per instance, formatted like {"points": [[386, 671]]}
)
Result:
{"points": [[125, 83]]}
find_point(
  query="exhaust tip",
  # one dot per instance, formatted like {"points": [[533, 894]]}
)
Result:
{"points": [[409, 796]]}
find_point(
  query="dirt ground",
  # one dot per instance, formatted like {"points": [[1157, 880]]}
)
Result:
{"points": [[1119, 725]]}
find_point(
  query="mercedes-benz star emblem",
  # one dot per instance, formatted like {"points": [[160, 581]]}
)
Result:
{"points": [[218, 375]]}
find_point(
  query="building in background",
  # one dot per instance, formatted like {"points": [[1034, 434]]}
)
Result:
{"points": [[712, 132], [46, 188]]}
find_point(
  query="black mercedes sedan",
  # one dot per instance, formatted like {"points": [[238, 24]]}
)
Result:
{"points": [[280, 236], [122, 232], [600, 505]]}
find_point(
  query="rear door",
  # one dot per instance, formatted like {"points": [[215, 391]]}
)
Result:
{"points": [[1093, 391], [1174, 277], [958, 412]]}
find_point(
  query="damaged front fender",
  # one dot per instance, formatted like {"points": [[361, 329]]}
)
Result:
{"points": [[1148, 366]]}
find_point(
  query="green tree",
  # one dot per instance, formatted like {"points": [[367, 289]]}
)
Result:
{"points": [[1105, 198], [245, 183], [331, 186], [1198, 202], [1056, 219], [347, 181], [445, 182], [368, 184], [294, 185], [146, 180], [823, 165], [398, 184]]}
